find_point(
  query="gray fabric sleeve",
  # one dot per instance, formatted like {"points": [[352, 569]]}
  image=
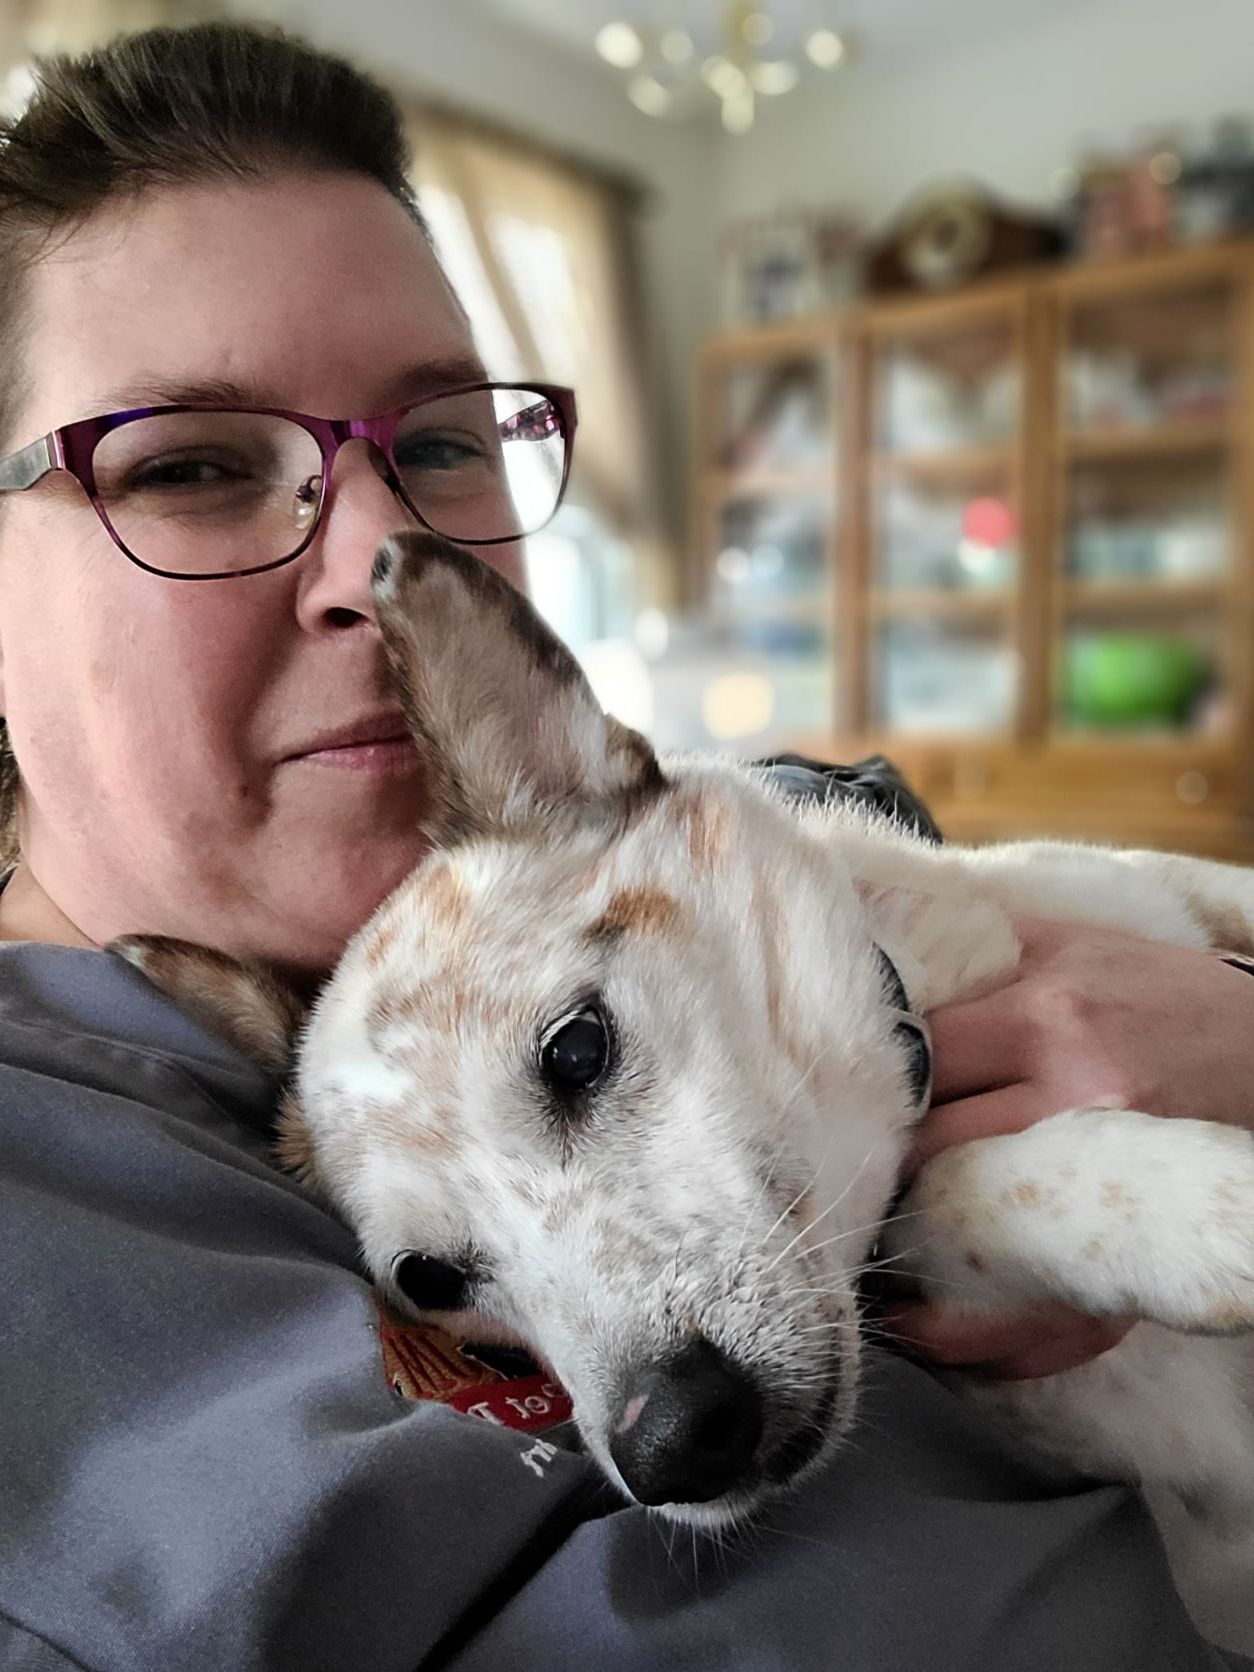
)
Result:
{"points": [[202, 1468], [21, 1651]]}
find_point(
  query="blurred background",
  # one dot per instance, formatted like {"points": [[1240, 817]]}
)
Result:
{"points": [[914, 343]]}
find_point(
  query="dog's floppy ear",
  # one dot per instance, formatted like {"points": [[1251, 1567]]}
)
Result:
{"points": [[240, 999], [506, 721]]}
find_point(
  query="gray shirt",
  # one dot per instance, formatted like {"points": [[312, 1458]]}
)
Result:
{"points": [[204, 1469]]}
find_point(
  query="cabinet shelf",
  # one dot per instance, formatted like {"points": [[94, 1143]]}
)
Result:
{"points": [[956, 465], [938, 604], [1174, 598], [1157, 441]]}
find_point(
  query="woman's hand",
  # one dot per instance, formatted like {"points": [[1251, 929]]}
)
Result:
{"points": [[1093, 1018]]}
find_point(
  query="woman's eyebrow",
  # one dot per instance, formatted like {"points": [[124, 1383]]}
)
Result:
{"points": [[156, 391], [426, 377], [431, 376]]}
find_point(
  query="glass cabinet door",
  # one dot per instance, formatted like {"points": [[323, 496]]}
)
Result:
{"points": [[771, 419], [1149, 361], [755, 670], [773, 613], [1147, 443], [944, 524]]}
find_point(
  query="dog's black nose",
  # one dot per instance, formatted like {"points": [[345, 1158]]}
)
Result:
{"points": [[687, 1428]]}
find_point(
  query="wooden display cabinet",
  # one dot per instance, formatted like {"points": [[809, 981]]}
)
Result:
{"points": [[1005, 537], [767, 494]]}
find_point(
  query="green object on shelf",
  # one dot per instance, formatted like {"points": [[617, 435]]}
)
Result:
{"points": [[1132, 679]]}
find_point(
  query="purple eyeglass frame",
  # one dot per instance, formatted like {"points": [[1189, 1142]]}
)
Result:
{"points": [[72, 449]]}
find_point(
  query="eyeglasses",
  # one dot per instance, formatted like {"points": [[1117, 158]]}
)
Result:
{"points": [[208, 492]]}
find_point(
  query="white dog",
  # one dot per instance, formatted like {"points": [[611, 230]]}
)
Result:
{"points": [[625, 1072]]}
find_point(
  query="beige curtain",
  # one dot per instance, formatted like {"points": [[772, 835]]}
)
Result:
{"points": [[541, 254]]}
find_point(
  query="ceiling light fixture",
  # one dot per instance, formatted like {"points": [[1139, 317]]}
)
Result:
{"points": [[621, 45], [664, 65], [825, 49]]}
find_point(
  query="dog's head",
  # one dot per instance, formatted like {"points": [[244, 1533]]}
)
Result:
{"points": [[618, 1073]]}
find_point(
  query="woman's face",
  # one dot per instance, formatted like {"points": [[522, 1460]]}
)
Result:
{"points": [[167, 730]]}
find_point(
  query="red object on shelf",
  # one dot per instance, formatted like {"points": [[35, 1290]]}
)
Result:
{"points": [[988, 522]]}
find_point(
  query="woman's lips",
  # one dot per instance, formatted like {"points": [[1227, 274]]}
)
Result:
{"points": [[385, 757], [378, 744]]}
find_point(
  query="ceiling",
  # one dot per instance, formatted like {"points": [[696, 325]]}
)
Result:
{"points": [[887, 32]]}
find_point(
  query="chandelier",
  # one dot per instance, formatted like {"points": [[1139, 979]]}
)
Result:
{"points": [[666, 73]]}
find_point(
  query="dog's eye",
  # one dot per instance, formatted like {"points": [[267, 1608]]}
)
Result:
{"points": [[575, 1055], [432, 1285]]}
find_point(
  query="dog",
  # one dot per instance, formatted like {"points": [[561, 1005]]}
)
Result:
{"points": [[625, 1073]]}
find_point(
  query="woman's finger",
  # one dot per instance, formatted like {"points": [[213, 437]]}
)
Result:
{"points": [[975, 1047], [987, 1115], [1047, 1340]]}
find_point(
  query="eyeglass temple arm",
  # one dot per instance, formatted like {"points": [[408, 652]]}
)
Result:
{"points": [[30, 465]]}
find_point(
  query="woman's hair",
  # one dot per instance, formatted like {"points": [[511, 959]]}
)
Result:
{"points": [[216, 101]]}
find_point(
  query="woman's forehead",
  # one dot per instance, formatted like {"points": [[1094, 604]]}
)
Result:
{"points": [[312, 291]]}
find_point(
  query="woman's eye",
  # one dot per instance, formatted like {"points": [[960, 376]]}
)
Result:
{"points": [[184, 473], [437, 452], [431, 1285], [576, 1054]]}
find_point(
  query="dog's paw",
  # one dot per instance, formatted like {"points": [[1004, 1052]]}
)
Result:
{"points": [[1117, 1213]]}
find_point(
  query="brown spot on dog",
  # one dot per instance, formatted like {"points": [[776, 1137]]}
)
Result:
{"points": [[441, 895], [975, 1262], [706, 822], [293, 1144], [429, 1134], [1227, 1319], [1114, 1195], [446, 1007], [764, 913], [1025, 1195], [1092, 1248], [384, 1009], [638, 911], [427, 1129], [1227, 928], [378, 947]]}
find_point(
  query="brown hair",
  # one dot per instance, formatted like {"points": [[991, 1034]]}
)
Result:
{"points": [[171, 107]]}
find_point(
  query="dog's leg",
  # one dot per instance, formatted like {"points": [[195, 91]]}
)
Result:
{"points": [[1121, 1214], [1114, 1212]]}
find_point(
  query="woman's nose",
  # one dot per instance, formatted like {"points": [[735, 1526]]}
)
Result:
{"points": [[362, 506]]}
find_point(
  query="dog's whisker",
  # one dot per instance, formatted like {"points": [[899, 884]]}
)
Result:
{"points": [[808, 1229], [817, 1220], [818, 1168], [831, 1137], [860, 1230]]}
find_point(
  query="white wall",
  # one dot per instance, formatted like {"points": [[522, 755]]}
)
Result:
{"points": [[1006, 110]]}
